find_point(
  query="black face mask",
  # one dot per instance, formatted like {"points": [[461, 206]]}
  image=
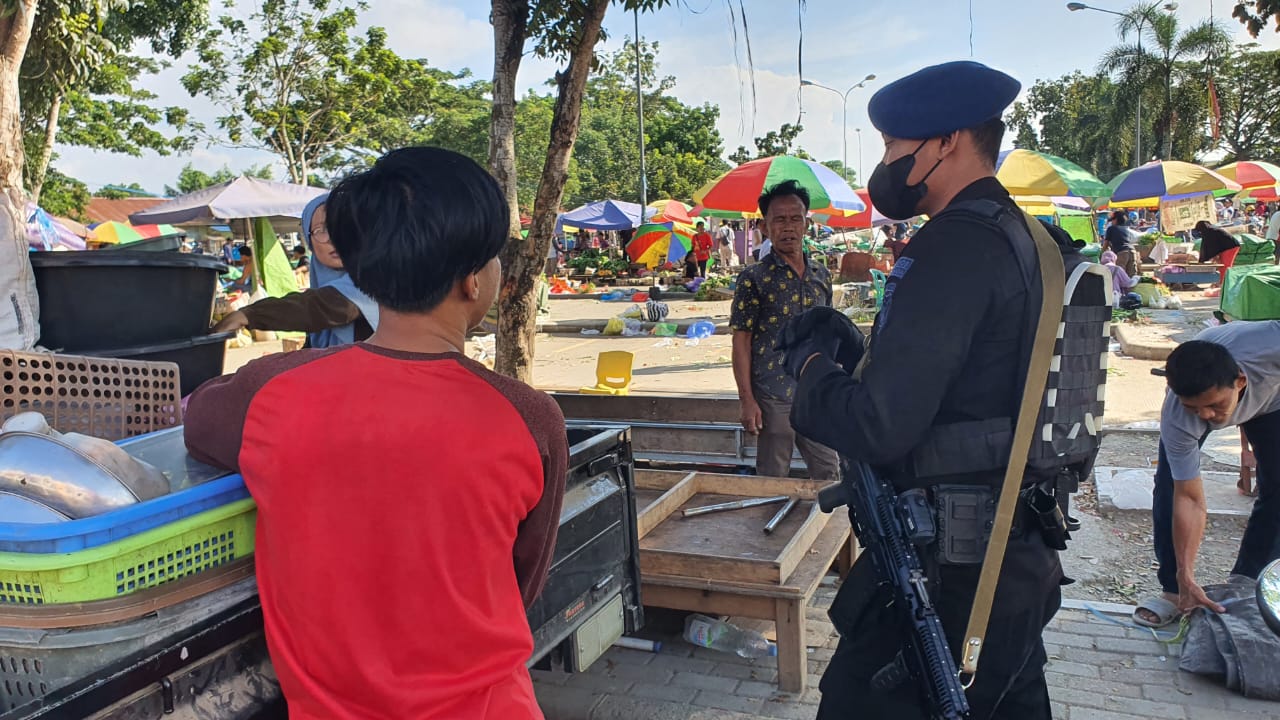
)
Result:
{"points": [[889, 191]]}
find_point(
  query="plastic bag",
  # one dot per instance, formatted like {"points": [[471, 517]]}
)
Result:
{"points": [[665, 329], [614, 326], [700, 329], [632, 328]]}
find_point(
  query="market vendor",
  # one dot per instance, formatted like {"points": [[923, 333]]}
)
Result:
{"points": [[1218, 245], [401, 541], [333, 312]]}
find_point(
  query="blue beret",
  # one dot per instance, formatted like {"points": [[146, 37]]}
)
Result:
{"points": [[941, 99]]}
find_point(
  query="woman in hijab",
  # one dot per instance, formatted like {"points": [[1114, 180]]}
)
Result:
{"points": [[333, 312]]}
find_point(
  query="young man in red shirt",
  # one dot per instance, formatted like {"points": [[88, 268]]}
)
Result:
{"points": [[702, 246], [399, 545]]}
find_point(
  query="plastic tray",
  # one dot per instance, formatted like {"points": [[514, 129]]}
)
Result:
{"points": [[91, 532], [206, 540], [37, 662], [110, 399]]}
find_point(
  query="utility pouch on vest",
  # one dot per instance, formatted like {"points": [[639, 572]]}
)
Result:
{"points": [[966, 514], [1044, 507]]}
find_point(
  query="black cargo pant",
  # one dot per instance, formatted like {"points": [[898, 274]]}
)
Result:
{"points": [[1010, 684]]}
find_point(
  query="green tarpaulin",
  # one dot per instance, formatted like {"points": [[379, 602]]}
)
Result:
{"points": [[274, 270], [1252, 292], [1255, 250]]}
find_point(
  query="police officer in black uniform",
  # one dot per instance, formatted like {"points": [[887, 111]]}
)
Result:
{"points": [[937, 393]]}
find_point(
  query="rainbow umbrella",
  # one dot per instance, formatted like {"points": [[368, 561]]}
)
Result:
{"points": [[868, 218], [1271, 192], [1026, 172], [739, 189], [1251, 173], [1144, 186], [656, 243], [113, 232], [704, 211], [660, 211]]}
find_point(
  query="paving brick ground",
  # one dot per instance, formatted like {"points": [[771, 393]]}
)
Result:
{"points": [[1097, 671]]}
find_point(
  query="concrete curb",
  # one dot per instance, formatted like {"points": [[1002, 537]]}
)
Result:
{"points": [[1141, 349]]}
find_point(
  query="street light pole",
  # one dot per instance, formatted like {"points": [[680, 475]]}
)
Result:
{"points": [[844, 122], [861, 180], [1137, 116]]}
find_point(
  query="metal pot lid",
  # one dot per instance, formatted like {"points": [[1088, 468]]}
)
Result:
{"points": [[18, 509], [60, 476]]}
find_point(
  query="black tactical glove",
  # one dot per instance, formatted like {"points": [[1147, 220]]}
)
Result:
{"points": [[821, 330]]}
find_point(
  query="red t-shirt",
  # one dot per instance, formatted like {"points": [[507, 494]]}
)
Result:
{"points": [[407, 514], [702, 244]]}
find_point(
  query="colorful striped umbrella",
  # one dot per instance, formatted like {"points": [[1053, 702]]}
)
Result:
{"points": [[1026, 172], [740, 189], [657, 243], [1251, 173], [704, 211], [1144, 186], [868, 218], [1271, 192], [113, 232], [660, 211]]}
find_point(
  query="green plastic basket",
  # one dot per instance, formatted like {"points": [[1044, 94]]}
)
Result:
{"points": [[167, 553]]}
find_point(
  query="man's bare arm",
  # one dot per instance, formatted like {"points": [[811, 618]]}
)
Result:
{"points": [[1189, 513], [751, 415]]}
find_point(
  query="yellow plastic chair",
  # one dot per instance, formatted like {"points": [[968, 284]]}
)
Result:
{"points": [[613, 374]]}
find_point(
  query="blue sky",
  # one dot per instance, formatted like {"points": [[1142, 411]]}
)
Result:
{"points": [[843, 42]]}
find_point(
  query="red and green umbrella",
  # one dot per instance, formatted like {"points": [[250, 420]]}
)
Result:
{"points": [[739, 189], [1026, 172], [1144, 186], [1251, 173], [656, 243]]}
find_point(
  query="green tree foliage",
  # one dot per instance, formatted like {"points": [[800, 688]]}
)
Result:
{"points": [[79, 85], [64, 195], [1163, 72], [1072, 117], [682, 144], [121, 191], [296, 79], [1248, 86], [191, 179], [775, 142], [1254, 14]]}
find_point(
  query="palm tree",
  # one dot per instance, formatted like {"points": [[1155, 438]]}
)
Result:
{"points": [[1147, 69]]}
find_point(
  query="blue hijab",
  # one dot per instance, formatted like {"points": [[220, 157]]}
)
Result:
{"points": [[322, 276]]}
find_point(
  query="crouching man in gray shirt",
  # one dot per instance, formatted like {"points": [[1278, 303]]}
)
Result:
{"points": [[1229, 375]]}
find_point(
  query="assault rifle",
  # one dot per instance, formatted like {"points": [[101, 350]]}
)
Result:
{"points": [[889, 526]]}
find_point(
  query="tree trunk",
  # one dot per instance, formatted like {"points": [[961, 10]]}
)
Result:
{"points": [[40, 165], [19, 311], [515, 346], [523, 261]]}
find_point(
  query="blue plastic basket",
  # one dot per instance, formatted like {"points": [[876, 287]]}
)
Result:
{"points": [[108, 527]]}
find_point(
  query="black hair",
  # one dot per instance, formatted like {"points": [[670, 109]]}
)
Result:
{"points": [[1120, 217], [987, 137], [1197, 366], [246, 251], [783, 189], [413, 225]]}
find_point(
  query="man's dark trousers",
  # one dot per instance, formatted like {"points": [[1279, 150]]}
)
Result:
{"points": [[1261, 541]]}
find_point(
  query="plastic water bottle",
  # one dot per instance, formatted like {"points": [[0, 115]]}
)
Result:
{"points": [[719, 635]]}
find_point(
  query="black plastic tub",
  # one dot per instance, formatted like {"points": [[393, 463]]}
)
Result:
{"points": [[198, 358], [123, 299]]}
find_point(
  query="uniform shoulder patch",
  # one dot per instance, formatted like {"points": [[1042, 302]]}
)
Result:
{"points": [[901, 267]]}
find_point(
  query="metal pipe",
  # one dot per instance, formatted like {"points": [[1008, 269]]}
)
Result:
{"points": [[735, 505], [780, 515]]}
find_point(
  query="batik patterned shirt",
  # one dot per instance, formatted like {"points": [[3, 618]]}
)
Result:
{"points": [[768, 293]]}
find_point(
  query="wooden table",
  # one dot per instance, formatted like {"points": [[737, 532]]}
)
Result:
{"points": [[782, 603]]}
